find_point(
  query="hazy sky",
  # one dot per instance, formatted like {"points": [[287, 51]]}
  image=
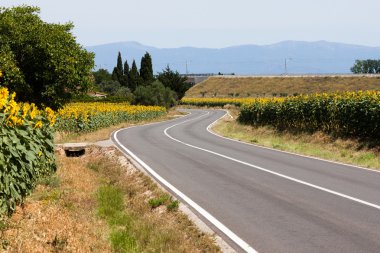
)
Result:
{"points": [[214, 23]]}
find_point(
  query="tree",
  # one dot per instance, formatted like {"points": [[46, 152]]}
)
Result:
{"points": [[174, 81], [126, 68], [110, 87], [366, 67], [118, 71], [134, 77], [11, 75], [102, 75], [50, 65], [125, 80], [146, 70], [155, 94]]}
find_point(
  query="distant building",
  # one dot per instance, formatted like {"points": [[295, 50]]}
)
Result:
{"points": [[97, 95]]}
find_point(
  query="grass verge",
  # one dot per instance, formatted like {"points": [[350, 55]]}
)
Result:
{"points": [[100, 202], [318, 144], [59, 215], [140, 216]]}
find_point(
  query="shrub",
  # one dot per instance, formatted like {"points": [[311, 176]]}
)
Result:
{"points": [[155, 94]]}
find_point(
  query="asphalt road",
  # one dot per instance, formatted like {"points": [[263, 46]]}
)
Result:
{"points": [[260, 199]]}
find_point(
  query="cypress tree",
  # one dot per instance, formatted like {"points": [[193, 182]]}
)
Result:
{"points": [[134, 77], [117, 72], [126, 68], [119, 65], [115, 76], [146, 70], [125, 76]]}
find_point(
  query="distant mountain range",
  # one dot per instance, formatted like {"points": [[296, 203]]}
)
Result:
{"points": [[319, 57]]}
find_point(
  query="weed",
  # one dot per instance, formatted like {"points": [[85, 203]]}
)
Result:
{"points": [[110, 201], [93, 166], [4, 225], [4, 244], [48, 196], [156, 202], [254, 140], [173, 205], [51, 181], [58, 244], [122, 241], [366, 157]]}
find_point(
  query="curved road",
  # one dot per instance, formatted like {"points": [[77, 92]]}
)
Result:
{"points": [[259, 199]]}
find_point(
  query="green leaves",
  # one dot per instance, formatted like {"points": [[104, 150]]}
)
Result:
{"points": [[42, 62], [26, 154]]}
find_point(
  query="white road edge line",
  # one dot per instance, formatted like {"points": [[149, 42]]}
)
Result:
{"points": [[269, 171], [282, 151], [245, 246]]}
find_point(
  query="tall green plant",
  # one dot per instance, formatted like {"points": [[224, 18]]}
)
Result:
{"points": [[26, 150]]}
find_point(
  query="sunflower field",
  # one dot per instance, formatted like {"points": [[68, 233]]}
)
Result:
{"points": [[87, 117], [26, 149], [355, 114]]}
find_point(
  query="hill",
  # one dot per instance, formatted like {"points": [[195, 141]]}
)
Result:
{"points": [[302, 57], [285, 85]]}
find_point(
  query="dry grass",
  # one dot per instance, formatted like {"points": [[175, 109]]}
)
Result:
{"points": [[66, 213], [268, 86], [318, 144], [148, 229], [59, 216], [105, 133]]}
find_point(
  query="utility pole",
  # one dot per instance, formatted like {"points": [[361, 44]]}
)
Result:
{"points": [[187, 71], [286, 65], [286, 69]]}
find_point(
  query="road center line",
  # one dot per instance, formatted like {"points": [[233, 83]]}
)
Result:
{"points": [[267, 170]]}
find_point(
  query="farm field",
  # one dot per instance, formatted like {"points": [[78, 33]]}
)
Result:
{"points": [[280, 86], [88, 117]]}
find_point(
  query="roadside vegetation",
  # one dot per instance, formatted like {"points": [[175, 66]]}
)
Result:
{"points": [[317, 144], [100, 203], [228, 87]]}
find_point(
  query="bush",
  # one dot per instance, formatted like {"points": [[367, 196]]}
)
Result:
{"points": [[26, 149], [155, 94]]}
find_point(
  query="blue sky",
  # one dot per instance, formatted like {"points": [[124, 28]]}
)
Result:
{"points": [[214, 23]]}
